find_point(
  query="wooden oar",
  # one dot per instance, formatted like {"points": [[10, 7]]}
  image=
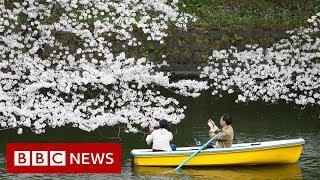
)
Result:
{"points": [[178, 169]]}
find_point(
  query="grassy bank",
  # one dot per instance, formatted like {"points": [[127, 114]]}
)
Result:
{"points": [[222, 13]]}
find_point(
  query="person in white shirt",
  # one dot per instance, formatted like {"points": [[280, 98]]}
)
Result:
{"points": [[160, 138]]}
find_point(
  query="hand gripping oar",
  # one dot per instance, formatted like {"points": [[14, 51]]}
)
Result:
{"points": [[178, 169]]}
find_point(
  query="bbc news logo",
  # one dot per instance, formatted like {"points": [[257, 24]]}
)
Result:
{"points": [[63, 158], [39, 158], [58, 158]]}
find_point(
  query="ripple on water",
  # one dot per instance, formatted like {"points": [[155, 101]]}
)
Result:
{"points": [[310, 160]]}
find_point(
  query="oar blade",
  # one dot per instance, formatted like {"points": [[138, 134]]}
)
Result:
{"points": [[178, 170]]}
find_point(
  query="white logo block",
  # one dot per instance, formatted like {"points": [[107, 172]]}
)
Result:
{"points": [[57, 158], [39, 158], [21, 158]]}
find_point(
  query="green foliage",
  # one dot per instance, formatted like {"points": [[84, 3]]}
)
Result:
{"points": [[138, 16], [57, 11], [22, 18], [79, 42]]}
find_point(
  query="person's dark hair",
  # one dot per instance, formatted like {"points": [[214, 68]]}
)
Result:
{"points": [[164, 124], [227, 118]]}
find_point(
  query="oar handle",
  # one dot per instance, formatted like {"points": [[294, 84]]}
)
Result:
{"points": [[195, 153]]}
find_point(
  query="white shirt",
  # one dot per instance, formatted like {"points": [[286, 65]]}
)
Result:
{"points": [[160, 139]]}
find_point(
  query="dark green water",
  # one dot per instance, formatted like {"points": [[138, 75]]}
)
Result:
{"points": [[253, 122]]}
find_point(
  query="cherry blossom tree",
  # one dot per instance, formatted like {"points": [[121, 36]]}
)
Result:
{"points": [[289, 70], [58, 68]]}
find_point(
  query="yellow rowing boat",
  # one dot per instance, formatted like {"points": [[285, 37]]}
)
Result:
{"points": [[270, 152]]}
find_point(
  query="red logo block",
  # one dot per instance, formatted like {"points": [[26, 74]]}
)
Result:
{"points": [[63, 158]]}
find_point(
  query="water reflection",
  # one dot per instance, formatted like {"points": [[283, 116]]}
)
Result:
{"points": [[291, 171]]}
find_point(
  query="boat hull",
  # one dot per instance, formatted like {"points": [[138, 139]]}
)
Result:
{"points": [[284, 154]]}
